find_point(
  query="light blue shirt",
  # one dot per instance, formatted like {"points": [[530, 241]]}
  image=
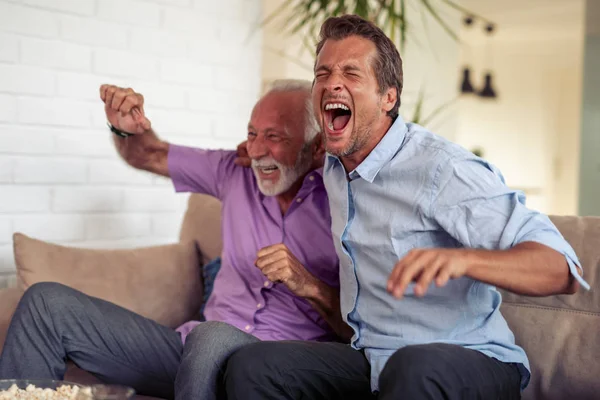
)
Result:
{"points": [[418, 190]]}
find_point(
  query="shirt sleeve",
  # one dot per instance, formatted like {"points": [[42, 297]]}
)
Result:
{"points": [[472, 203], [201, 171]]}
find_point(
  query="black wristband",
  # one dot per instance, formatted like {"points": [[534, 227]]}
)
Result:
{"points": [[118, 132]]}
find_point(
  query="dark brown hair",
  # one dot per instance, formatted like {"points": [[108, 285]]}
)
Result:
{"points": [[387, 65]]}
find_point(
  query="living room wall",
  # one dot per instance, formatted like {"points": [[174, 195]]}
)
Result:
{"points": [[532, 130], [196, 61]]}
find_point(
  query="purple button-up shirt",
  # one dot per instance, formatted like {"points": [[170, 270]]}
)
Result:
{"points": [[242, 296]]}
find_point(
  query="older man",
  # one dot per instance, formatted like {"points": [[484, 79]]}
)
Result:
{"points": [[279, 275], [425, 232]]}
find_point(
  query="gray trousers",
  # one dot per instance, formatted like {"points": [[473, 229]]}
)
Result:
{"points": [[54, 323]]}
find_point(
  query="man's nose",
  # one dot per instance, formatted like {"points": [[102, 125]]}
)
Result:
{"points": [[334, 83], [257, 148]]}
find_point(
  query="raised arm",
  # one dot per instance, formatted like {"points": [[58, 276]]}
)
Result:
{"points": [[143, 149], [506, 244], [278, 264]]}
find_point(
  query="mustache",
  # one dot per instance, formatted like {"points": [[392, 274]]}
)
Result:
{"points": [[265, 162], [330, 97]]}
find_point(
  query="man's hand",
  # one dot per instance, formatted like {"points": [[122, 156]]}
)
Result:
{"points": [[242, 155], [124, 109], [423, 266], [278, 264]]}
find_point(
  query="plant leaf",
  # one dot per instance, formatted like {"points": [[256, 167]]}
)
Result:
{"points": [[418, 108], [439, 19], [437, 111], [275, 13]]}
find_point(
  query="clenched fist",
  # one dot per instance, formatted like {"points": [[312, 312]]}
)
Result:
{"points": [[278, 264], [124, 109]]}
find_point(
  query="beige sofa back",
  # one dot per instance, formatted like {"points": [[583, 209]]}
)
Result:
{"points": [[202, 225], [162, 283], [561, 334]]}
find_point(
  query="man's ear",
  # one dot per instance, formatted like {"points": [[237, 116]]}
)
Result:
{"points": [[389, 99]]}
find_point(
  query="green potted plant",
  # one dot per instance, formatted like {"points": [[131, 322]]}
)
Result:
{"points": [[393, 16]]}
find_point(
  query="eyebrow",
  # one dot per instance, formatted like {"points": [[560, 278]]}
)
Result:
{"points": [[270, 130], [346, 68], [352, 68]]}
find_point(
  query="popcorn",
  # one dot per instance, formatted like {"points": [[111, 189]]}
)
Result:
{"points": [[64, 392]]}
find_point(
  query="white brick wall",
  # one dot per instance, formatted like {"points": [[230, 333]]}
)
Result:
{"points": [[8, 108], [5, 230], [20, 79], [10, 47], [55, 54], [60, 177]]}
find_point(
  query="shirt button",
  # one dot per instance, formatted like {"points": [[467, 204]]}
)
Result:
{"points": [[247, 327], [311, 178], [299, 200], [266, 284], [259, 305]]}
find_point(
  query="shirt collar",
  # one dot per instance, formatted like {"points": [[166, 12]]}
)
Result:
{"points": [[380, 155]]}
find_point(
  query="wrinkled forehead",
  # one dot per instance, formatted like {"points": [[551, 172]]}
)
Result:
{"points": [[353, 52], [282, 111]]}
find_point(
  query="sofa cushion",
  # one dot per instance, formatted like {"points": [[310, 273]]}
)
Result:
{"points": [[162, 283], [560, 333], [209, 273]]}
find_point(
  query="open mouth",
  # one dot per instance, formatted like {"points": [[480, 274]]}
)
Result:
{"points": [[337, 116], [268, 170]]}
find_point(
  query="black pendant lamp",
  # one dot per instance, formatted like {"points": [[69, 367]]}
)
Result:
{"points": [[488, 89], [466, 85]]}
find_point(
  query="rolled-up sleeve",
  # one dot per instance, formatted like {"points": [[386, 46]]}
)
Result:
{"points": [[200, 171], [472, 203]]}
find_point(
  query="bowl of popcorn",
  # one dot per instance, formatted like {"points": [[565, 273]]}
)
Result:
{"points": [[32, 389]]}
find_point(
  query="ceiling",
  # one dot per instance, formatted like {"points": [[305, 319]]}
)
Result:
{"points": [[521, 19]]}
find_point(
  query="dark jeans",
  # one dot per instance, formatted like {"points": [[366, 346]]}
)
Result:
{"points": [[329, 371], [54, 323]]}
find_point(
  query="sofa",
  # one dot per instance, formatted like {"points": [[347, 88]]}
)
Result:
{"points": [[561, 334]]}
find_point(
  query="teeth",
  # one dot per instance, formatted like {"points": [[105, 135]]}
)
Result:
{"points": [[333, 106], [268, 170], [331, 125]]}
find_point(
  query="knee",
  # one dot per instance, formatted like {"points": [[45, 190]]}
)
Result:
{"points": [[411, 364], [216, 341], [212, 334], [42, 294]]}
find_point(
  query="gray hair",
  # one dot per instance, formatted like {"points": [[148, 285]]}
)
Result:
{"points": [[294, 85]]}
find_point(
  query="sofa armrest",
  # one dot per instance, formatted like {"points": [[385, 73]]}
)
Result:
{"points": [[9, 298], [162, 283]]}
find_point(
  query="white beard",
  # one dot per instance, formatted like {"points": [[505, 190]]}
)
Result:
{"points": [[287, 175]]}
